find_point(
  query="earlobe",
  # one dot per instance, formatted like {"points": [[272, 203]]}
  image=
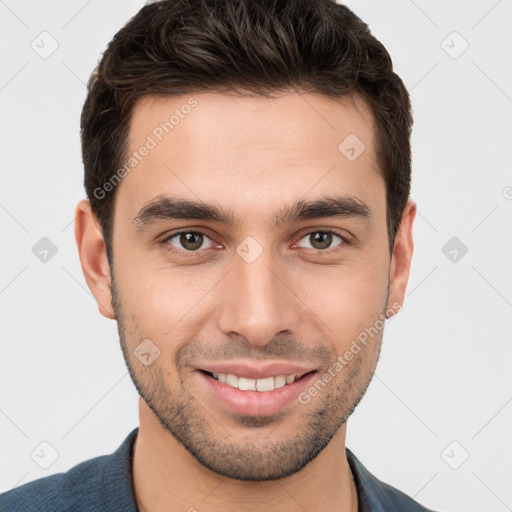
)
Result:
{"points": [[401, 257], [93, 257]]}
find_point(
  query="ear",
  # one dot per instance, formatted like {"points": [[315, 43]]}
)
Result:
{"points": [[401, 257], [93, 257]]}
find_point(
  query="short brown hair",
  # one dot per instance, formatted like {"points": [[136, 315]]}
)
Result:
{"points": [[257, 46]]}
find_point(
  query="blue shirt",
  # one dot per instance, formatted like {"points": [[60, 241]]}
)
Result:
{"points": [[105, 484]]}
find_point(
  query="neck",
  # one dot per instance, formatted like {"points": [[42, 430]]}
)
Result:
{"points": [[167, 477]]}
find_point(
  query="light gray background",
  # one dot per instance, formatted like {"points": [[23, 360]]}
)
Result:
{"points": [[445, 370]]}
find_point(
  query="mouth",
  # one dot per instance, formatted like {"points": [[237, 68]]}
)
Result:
{"points": [[269, 393], [261, 385]]}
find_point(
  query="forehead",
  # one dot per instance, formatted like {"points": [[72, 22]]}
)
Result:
{"points": [[237, 149]]}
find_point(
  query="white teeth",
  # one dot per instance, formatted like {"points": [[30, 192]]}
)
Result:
{"points": [[279, 381], [266, 384], [290, 379], [231, 380], [245, 384]]}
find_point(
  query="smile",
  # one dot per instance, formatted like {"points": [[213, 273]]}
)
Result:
{"points": [[255, 391], [246, 384]]}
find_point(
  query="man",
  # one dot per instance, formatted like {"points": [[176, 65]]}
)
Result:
{"points": [[249, 227]]}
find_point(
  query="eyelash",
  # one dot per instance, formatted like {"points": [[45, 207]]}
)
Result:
{"points": [[170, 248]]}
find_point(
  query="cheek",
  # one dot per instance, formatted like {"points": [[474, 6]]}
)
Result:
{"points": [[162, 301], [347, 299]]}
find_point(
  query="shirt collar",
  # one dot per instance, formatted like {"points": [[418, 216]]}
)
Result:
{"points": [[372, 494]]}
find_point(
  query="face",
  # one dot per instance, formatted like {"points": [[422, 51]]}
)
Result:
{"points": [[250, 253]]}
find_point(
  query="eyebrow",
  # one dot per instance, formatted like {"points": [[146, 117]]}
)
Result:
{"points": [[163, 208]]}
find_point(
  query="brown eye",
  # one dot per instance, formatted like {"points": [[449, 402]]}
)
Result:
{"points": [[191, 241], [322, 240], [187, 240]]}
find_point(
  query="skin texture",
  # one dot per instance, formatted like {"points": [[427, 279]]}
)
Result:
{"points": [[299, 301]]}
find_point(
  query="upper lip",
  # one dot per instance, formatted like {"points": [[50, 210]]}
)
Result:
{"points": [[258, 370]]}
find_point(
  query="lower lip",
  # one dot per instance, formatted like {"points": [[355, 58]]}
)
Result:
{"points": [[256, 403]]}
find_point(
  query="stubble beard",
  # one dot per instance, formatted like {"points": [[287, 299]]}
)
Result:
{"points": [[256, 458]]}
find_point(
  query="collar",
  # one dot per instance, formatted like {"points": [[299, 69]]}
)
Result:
{"points": [[373, 495]]}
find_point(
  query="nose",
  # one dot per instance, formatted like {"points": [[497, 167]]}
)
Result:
{"points": [[258, 302]]}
